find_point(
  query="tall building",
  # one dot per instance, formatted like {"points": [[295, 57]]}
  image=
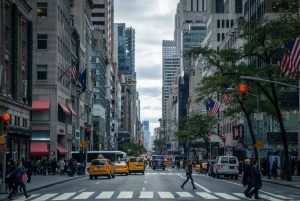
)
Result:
{"points": [[146, 134], [130, 47], [177, 35], [16, 75], [121, 50], [171, 62]]}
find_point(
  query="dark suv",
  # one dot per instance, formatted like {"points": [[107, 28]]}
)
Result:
{"points": [[158, 164]]}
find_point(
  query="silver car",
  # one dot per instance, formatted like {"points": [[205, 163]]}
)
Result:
{"points": [[226, 166]]}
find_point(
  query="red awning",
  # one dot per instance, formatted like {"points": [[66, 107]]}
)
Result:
{"points": [[61, 149], [40, 105], [38, 148], [73, 112], [65, 109]]}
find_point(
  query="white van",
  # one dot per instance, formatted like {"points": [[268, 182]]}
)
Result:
{"points": [[226, 166]]}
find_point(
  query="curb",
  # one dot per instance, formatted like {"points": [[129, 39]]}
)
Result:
{"points": [[288, 185], [47, 185]]}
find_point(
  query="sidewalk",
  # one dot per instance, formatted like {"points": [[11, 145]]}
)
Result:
{"points": [[40, 181], [295, 183]]}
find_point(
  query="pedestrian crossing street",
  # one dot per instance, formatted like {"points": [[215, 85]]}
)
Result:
{"points": [[104, 195]]}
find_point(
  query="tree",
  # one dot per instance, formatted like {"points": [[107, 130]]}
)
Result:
{"points": [[197, 127], [133, 147], [159, 143], [265, 39]]}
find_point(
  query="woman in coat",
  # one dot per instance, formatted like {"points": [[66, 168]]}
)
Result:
{"points": [[256, 179], [18, 173]]}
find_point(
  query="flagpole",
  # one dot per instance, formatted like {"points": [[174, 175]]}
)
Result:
{"points": [[65, 72]]}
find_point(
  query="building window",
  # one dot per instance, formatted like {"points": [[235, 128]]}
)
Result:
{"points": [[218, 23], [223, 23], [41, 41], [218, 37], [232, 23], [223, 36], [98, 14], [41, 10], [41, 72], [227, 23], [99, 5], [24, 123]]}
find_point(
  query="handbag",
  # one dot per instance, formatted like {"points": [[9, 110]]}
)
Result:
{"points": [[24, 177]]}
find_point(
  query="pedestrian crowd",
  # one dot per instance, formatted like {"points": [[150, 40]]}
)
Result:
{"points": [[19, 172]]}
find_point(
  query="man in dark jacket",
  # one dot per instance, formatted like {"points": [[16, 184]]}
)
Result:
{"points": [[9, 181], [29, 167], [256, 179], [247, 181]]}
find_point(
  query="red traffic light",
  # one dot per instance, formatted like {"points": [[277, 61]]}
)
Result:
{"points": [[208, 138], [139, 139], [88, 130], [243, 88], [6, 117], [224, 137]]}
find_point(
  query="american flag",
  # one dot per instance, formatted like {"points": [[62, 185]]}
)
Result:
{"points": [[212, 108], [227, 97], [74, 73], [289, 61]]}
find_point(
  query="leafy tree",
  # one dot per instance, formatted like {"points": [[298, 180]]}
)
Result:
{"points": [[265, 39], [197, 127], [159, 143], [135, 148]]}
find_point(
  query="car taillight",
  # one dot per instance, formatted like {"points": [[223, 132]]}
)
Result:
{"points": [[218, 166], [107, 167], [90, 168]]}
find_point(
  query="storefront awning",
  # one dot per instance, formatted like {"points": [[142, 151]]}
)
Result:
{"points": [[40, 105], [38, 148], [65, 109], [61, 149], [73, 112]]}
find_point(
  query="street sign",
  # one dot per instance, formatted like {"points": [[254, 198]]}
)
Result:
{"points": [[259, 145], [259, 116], [2, 148], [49, 143], [84, 144]]}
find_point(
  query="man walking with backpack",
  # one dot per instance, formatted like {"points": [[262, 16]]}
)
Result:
{"points": [[189, 170]]}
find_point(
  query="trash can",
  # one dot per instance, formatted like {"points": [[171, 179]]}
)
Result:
{"points": [[81, 169]]}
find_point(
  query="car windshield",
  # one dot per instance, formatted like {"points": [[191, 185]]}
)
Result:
{"points": [[99, 162], [136, 160], [120, 163]]}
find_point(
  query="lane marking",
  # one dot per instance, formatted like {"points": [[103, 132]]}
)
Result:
{"points": [[268, 198], [81, 190], [146, 194], [64, 196], [145, 181], [83, 195], [208, 191], [185, 194], [226, 196], [143, 188], [278, 196], [105, 195], [97, 182], [125, 194], [45, 197], [22, 198], [165, 195], [206, 195]]}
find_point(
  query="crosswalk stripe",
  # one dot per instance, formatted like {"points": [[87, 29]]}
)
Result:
{"points": [[64, 196], [24, 198], [206, 195], [125, 194], [165, 195], [146, 194], [105, 195], [242, 195], [268, 197], [226, 196], [278, 196], [185, 194], [84, 195], [45, 197]]}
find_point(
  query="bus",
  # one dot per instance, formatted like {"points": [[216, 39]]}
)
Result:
{"points": [[111, 155]]}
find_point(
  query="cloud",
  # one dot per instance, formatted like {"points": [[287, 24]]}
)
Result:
{"points": [[153, 21]]}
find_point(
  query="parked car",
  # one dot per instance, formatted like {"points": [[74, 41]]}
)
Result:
{"points": [[101, 167], [226, 166]]}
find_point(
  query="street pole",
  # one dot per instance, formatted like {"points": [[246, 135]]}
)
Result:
{"points": [[257, 104], [210, 148]]}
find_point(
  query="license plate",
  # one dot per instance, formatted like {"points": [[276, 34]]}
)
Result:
{"points": [[231, 167]]}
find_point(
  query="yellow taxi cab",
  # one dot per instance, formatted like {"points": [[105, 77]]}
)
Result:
{"points": [[136, 164], [203, 170], [101, 167], [121, 168], [181, 164]]}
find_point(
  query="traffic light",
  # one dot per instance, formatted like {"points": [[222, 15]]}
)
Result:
{"points": [[5, 123], [208, 138], [87, 131], [224, 138], [52, 153], [139, 140], [243, 89]]}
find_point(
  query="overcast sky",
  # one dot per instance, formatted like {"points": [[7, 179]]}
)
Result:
{"points": [[153, 21]]}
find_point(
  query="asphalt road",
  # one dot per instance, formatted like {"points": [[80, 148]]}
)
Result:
{"points": [[157, 185]]}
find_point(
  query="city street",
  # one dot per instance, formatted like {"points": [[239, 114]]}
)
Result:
{"points": [[157, 185]]}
